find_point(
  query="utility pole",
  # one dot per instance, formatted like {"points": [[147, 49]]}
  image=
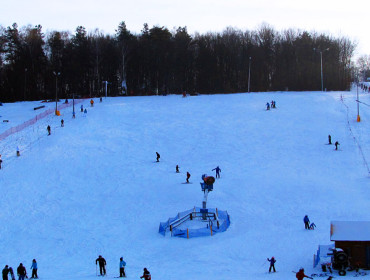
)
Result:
{"points": [[56, 91], [322, 75], [249, 74]]}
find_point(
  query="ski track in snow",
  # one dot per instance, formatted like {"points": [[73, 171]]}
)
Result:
{"points": [[93, 187]]}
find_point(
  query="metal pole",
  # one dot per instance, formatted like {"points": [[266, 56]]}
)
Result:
{"points": [[25, 83], [106, 88], [56, 94], [358, 103], [73, 102], [249, 74]]}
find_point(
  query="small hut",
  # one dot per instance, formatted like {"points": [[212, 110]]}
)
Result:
{"points": [[354, 239]]}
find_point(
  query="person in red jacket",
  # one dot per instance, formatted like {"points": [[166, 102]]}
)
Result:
{"points": [[300, 275], [146, 275]]}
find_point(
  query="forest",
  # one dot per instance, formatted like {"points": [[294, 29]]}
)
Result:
{"points": [[40, 66]]}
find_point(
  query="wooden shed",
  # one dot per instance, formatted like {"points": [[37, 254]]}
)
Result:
{"points": [[354, 238]]}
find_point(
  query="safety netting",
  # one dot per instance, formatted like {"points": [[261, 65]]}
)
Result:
{"points": [[196, 222]]}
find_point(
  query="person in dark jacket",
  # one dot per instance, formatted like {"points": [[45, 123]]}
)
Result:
{"points": [[21, 271], [329, 137], [177, 168], [11, 273], [62, 123], [102, 264], [146, 275], [5, 272], [306, 221], [272, 264], [218, 170], [122, 265], [158, 156], [300, 275], [34, 269], [336, 145], [187, 177], [1, 161], [49, 130]]}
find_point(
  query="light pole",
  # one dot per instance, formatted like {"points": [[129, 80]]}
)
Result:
{"points": [[56, 91], [249, 74], [358, 102], [322, 76]]}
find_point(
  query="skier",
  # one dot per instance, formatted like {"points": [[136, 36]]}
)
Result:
{"points": [[1, 161], [122, 265], [102, 264], [267, 106], [177, 168], [312, 226], [329, 136], [92, 102], [146, 274], [82, 107], [62, 123], [21, 271], [34, 269], [158, 156], [11, 273], [101, 99], [300, 274], [306, 221], [85, 111], [272, 264], [5, 272], [18, 152], [187, 177], [336, 145], [49, 130], [218, 170]]}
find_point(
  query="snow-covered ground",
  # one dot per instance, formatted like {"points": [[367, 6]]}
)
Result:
{"points": [[93, 187]]}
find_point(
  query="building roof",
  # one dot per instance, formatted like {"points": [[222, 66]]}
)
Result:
{"points": [[350, 231]]}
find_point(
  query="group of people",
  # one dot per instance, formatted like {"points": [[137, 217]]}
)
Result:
{"points": [[188, 175], [273, 105], [21, 271], [122, 264], [336, 142]]}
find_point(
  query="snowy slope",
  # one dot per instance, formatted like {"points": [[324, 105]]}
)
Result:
{"points": [[93, 187]]}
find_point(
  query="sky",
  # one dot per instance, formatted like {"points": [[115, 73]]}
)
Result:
{"points": [[334, 17]]}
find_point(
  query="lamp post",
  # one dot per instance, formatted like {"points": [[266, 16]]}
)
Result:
{"points": [[25, 83], [322, 76], [358, 101], [56, 91], [249, 74]]}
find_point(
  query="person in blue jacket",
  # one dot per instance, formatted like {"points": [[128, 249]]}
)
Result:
{"points": [[272, 264], [218, 170], [306, 221], [122, 265], [34, 269], [267, 106]]}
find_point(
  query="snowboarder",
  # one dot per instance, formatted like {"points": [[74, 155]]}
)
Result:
{"points": [[102, 264], [11, 273], [329, 136], [158, 156], [92, 102], [34, 269], [300, 274], [1, 161], [5, 272], [272, 264], [146, 274], [85, 111], [62, 123], [122, 265], [48, 129], [82, 107], [177, 168], [218, 170], [267, 106], [306, 221], [312, 226], [336, 145], [18, 152], [21, 271], [187, 177]]}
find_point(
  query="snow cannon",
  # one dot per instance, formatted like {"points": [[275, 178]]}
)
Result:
{"points": [[339, 260]]}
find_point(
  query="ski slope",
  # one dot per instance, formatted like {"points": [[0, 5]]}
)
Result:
{"points": [[93, 187]]}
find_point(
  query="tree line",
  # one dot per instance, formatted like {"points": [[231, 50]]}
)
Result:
{"points": [[36, 66]]}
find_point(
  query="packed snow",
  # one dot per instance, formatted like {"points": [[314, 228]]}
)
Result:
{"points": [[93, 187]]}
